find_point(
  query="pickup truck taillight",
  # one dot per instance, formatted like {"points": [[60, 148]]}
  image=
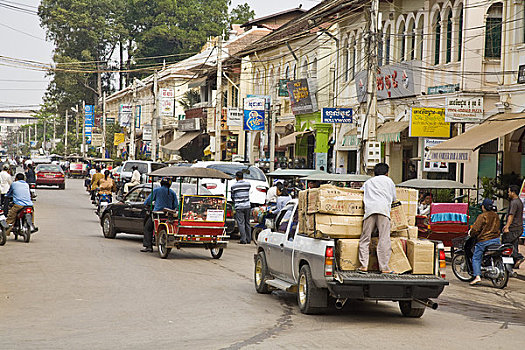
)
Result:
{"points": [[442, 262], [329, 262]]}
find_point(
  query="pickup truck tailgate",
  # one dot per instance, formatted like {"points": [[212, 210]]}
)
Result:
{"points": [[354, 285]]}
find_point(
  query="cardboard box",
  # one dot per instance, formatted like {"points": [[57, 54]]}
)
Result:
{"points": [[398, 220], [411, 220], [301, 205], [347, 253], [420, 254], [409, 198], [301, 226], [401, 233], [333, 226], [398, 262], [334, 200], [413, 232]]}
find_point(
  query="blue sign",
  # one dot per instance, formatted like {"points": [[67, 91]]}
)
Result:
{"points": [[254, 114], [89, 120], [337, 115]]}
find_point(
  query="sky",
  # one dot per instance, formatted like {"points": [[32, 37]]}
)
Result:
{"points": [[22, 37]]}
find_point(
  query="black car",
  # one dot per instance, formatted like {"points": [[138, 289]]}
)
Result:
{"points": [[128, 214]]}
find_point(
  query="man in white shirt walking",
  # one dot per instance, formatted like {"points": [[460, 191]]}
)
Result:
{"points": [[5, 181], [380, 192]]}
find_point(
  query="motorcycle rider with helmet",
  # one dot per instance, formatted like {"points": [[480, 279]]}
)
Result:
{"points": [[161, 197], [19, 192]]}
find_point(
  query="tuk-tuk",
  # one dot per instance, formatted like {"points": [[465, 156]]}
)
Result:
{"points": [[199, 220], [445, 221], [77, 167]]}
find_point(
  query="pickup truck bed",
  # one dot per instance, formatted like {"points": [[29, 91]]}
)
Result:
{"points": [[354, 285]]}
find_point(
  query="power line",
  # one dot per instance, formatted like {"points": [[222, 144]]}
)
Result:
{"points": [[22, 32]]}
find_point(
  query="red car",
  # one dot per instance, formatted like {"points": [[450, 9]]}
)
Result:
{"points": [[50, 175]]}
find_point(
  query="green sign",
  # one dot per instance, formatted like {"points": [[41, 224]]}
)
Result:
{"points": [[283, 87]]}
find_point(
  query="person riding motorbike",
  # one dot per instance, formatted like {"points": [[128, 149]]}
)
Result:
{"points": [[162, 197], [107, 186], [135, 179], [19, 192], [5, 180], [95, 179], [486, 231]]}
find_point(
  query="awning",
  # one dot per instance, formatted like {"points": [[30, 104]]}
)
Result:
{"points": [[180, 142], [391, 131], [195, 83], [282, 126], [349, 140], [459, 149], [291, 139], [163, 133], [284, 123]]}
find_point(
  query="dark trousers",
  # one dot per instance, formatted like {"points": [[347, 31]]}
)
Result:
{"points": [[242, 217], [513, 238], [147, 241]]}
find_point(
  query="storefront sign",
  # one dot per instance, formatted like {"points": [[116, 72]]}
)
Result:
{"points": [[302, 96], [442, 89], [254, 114], [96, 140], [234, 117], [429, 122], [193, 124], [393, 81], [125, 114], [337, 115], [89, 118], [464, 110], [449, 156], [118, 138], [521, 74], [267, 100], [283, 87], [147, 132], [166, 102], [434, 167]]}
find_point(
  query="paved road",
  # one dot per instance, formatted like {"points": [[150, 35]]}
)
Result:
{"points": [[72, 289]]}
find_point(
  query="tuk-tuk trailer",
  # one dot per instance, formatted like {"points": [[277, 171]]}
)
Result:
{"points": [[199, 220]]}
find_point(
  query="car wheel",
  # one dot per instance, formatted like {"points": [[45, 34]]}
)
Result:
{"points": [[162, 242], [216, 252], [308, 295], [408, 311], [260, 274], [108, 227]]}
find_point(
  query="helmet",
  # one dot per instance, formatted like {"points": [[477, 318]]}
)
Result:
{"points": [[166, 181]]}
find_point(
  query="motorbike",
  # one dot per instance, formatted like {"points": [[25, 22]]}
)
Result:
{"points": [[23, 225], [103, 200], [32, 189], [496, 264], [3, 228], [263, 218]]}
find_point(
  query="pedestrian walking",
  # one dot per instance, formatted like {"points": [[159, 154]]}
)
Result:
{"points": [[379, 193], [514, 227], [241, 199]]}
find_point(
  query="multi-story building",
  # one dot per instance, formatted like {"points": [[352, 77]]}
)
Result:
{"points": [[12, 120]]}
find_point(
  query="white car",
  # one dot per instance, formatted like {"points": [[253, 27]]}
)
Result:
{"points": [[254, 175]]}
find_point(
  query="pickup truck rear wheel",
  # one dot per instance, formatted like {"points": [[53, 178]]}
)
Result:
{"points": [[408, 311], [308, 294], [261, 274]]}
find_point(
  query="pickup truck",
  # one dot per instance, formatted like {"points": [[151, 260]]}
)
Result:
{"points": [[296, 263]]}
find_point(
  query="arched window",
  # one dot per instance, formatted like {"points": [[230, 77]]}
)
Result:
{"points": [[271, 84], [294, 71], [437, 38], [387, 47], [401, 42], [380, 49], [449, 37], [420, 38], [358, 61], [314, 68], [287, 73], [352, 58], [304, 69], [411, 40], [460, 31], [345, 60], [493, 31]]}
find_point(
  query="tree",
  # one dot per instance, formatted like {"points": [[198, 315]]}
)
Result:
{"points": [[189, 99], [242, 14]]}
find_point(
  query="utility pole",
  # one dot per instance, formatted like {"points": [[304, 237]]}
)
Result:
{"points": [[44, 142], [84, 129], [218, 109], [271, 139], [154, 119], [132, 135], [371, 110], [54, 131], [76, 121], [65, 138], [104, 124]]}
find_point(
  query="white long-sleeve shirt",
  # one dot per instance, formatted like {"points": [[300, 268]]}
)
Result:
{"points": [[380, 192], [5, 181]]}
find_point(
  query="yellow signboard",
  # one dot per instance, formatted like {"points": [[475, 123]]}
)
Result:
{"points": [[429, 122], [118, 138]]}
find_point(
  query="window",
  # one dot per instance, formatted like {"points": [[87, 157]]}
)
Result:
{"points": [[287, 73], [437, 39], [304, 69], [283, 219], [493, 31], [135, 195], [250, 172], [460, 33], [345, 61], [387, 47], [401, 42], [352, 60], [235, 97], [449, 37], [380, 49], [295, 71], [411, 40]]}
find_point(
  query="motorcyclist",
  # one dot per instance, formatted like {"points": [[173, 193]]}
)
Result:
{"points": [[30, 175], [486, 232], [162, 197], [5, 181], [19, 192], [106, 186], [97, 176]]}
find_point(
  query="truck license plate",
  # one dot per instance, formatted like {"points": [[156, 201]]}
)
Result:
{"points": [[508, 260]]}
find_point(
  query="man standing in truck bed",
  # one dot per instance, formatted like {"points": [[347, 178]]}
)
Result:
{"points": [[380, 192]]}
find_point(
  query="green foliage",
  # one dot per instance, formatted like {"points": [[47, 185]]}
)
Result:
{"points": [[242, 14], [498, 187], [189, 99], [444, 196]]}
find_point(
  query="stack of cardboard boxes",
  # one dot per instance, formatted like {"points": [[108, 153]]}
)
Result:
{"points": [[337, 213]]}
